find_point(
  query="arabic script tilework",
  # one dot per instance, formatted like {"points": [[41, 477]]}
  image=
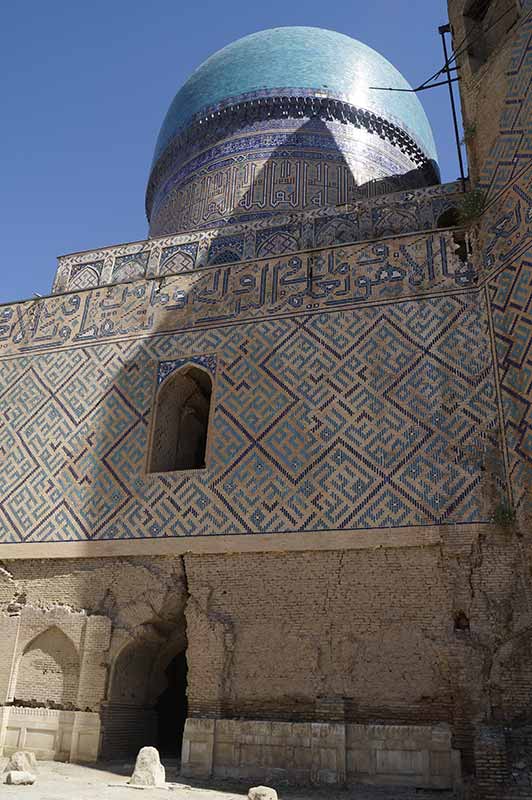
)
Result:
{"points": [[388, 215], [336, 277]]}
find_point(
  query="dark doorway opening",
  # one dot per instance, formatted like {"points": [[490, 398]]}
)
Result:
{"points": [[147, 702], [171, 708]]}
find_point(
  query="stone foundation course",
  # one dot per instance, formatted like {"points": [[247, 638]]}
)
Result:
{"points": [[319, 753]]}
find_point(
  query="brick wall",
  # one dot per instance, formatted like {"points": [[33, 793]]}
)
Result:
{"points": [[126, 729], [482, 90], [285, 629], [64, 622], [270, 634], [402, 635], [49, 669]]}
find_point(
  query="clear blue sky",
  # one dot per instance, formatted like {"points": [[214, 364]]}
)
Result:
{"points": [[85, 87]]}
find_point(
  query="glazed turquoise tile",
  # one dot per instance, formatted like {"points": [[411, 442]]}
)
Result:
{"points": [[299, 58]]}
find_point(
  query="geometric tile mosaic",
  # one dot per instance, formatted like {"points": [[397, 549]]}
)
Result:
{"points": [[130, 267], [363, 418], [353, 388], [506, 238]]}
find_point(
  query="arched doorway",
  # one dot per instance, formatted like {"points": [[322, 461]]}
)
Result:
{"points": [[147, 700]]}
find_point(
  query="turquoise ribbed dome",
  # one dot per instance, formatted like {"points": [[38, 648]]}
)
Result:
{"points": [[299, 58]]}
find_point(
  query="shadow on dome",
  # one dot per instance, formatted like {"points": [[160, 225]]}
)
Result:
{"points": [[276, 169]]}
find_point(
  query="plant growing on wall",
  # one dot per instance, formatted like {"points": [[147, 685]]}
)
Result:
{"points": [[504, 515], [469, 133], [471, 207]]}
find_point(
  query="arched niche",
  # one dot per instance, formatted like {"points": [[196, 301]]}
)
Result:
{"points": [[180, 421], [277, 244], [337, 231], [86, 278], [178, 262], [48, 670], [131, 673]]}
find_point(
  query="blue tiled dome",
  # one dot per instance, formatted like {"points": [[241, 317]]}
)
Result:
{"points": [[299, 58]]}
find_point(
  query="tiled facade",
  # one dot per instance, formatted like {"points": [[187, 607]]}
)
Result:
{"points": [[388, 215], [345, 379], [507, 180], [269, 169], [356, 553], [270, 124]]}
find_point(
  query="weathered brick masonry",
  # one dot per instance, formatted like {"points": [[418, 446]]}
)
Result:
{"points": [[271, 633], [339, 587]]}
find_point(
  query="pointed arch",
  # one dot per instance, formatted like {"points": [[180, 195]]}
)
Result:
{"points": [[337, 231], [48, 670], [180, 421], [277, 244], [147, 694], [177, 262], [86, 278]]}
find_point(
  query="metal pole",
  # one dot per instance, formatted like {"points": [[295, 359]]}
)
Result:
{"points": [[443, 29]]}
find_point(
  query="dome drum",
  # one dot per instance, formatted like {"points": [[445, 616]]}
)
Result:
{"points": [[217, 124]]}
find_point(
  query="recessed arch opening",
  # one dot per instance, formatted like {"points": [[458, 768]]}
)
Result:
{"points": [[181, 419], [450, 218], [48, 671], [147, 697]]}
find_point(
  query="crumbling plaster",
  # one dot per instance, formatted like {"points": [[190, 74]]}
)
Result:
{"points": [[271, 633], [268, 634], [137, 598]]}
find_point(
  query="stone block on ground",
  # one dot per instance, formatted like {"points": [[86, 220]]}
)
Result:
{"points": [[262, 793], [22, 761], [19, 778], [148, 769]]}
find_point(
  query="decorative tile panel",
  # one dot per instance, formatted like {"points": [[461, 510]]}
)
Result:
{"points": [[352, 416], [130, 267], [166, 368], [506, 245], [330, 278], [391, 214]]}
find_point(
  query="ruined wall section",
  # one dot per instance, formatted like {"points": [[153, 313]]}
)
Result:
{"points": [[401, 635], [287, 629], [70, 619], [405, 635]]}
